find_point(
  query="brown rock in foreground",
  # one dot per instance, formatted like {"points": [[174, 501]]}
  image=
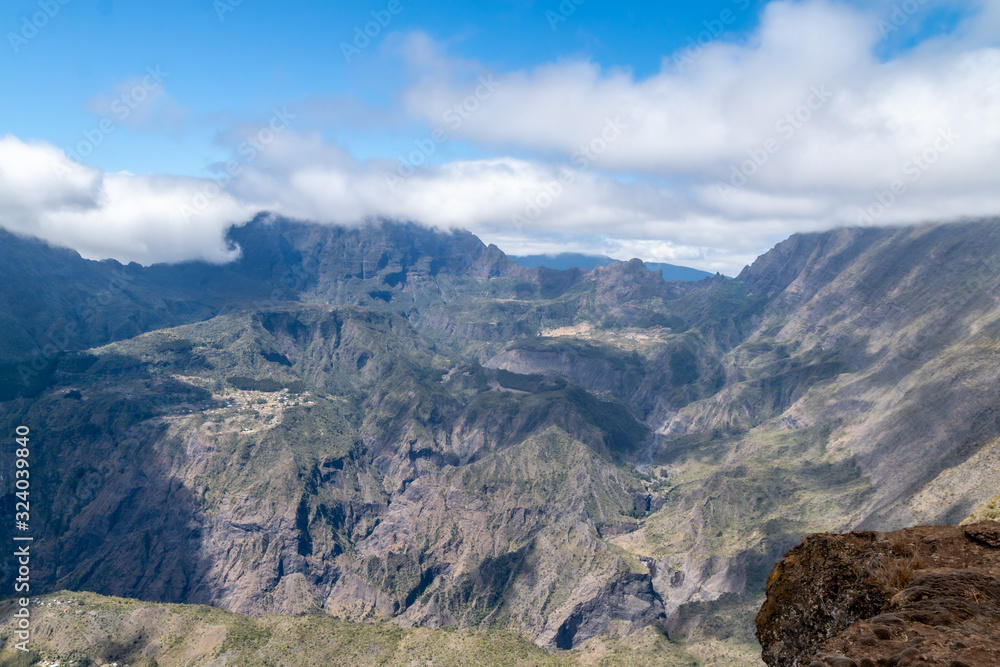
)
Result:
{"points": [[928, 595]]}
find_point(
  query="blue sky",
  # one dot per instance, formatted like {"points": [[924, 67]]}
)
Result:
{"points": [[231, 60], [152, 99]]}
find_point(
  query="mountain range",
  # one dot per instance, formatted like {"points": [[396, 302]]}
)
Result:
{"points": [[390, 422], [573, 260]]}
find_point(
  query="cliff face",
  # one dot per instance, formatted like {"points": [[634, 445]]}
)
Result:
{"points": [[918, 596], [401, 485], [859, 391]]}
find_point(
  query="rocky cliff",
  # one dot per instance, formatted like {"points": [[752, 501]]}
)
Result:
{"points": [[918, 596]]}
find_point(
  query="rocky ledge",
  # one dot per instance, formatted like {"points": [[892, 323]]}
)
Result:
{"points": [[928, 595]]}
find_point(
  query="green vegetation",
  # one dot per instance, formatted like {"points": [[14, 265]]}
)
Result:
{"points": [[251, 384], [176, 345], [988, 512], [683, 367], [13, 658], [22, 379], [100, 629]]}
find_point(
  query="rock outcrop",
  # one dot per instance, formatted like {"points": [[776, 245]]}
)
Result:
{"points": [[920, 596]]}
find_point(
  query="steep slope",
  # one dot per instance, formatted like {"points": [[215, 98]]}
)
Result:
{"points": [[53, 300], [400, 484], [395, 422], [863, 396]]}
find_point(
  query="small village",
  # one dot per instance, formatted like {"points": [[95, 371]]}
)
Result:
{"points": [[263, 402]]}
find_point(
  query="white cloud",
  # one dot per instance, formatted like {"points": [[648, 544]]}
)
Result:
{"points": [[35, 177], [703, 118], [129, 217], [141, 102]]}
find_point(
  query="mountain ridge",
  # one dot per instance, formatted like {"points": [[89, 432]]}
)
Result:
{"points": [[569, 260]]}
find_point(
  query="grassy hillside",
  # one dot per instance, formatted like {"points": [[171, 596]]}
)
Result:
{"points": [[89, 629]]}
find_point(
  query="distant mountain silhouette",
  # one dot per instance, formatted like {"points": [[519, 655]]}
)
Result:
{"points": [[569, 260]]}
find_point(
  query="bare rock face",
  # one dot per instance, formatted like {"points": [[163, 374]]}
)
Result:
{"points": [[628, 602], [919, 596]]}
